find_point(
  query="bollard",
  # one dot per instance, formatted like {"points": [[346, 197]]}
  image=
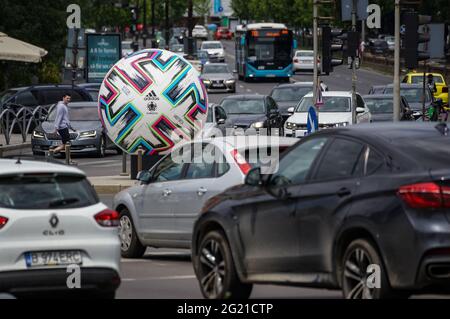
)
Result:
{"points": [[50, 155], [139, 163], [67, 149], [124, 165]]}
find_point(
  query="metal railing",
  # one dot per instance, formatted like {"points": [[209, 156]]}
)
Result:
{"points": [[21, 120]]}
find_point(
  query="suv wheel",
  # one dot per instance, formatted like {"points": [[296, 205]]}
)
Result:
{"points": [[358, 256], [130, 244], [101, 150], [216, 271]]}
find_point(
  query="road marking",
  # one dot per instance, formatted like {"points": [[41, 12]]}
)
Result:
{"points": [[248, 90], [159, 278]]}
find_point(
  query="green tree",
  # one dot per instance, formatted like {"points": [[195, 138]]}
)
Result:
{"points": [[203, 8]]}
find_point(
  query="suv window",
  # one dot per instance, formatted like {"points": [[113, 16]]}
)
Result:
{"points": [[46, 191], [295, 166], [370, 162], [26, 98], [220, 113], [340, 160], [359, 101], [271, 105], [168, 170]]}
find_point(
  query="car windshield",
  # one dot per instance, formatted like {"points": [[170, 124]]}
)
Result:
{"points": [[209, 118], [126, 45], [77, 114], [206, 46], [290, 94], [331, 104], [208, 69], [377, 106], [46, 191], [418, 79], [234, 106], [412, 95], [6, 95], [305, 54], [178, 48]]}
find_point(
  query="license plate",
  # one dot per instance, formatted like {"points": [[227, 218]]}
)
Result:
{"points": [[56, 143], [218, 85], [53, 258]]}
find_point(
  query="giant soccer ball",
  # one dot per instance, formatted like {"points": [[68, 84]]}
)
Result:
{"points": [[152, 100]]}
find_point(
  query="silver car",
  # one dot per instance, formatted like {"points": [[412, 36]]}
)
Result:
{"points": [[51, 225], [162, 209], [217, 77]]}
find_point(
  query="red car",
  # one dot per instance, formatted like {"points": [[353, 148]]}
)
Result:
{"points": [[223, 33]]}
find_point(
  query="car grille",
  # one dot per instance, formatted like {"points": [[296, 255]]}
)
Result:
{"points": [[56, 137]]}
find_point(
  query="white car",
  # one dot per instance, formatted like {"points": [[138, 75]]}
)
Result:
{"points": [[304, 61], [216, 52], [52, 225], [215, 122], [161, 211], [200, 31], [336, 112]]}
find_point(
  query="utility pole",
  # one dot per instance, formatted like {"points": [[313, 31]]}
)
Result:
{"points": [[75, 56], [166, 35], [145, 24], [153, 24], [316, 52], [190, 42], [354, 11], [397, 63]]}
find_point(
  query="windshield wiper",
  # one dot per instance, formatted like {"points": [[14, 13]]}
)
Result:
{"points": [[63, 202]]}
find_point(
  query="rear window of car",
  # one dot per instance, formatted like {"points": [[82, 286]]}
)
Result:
{"points": [[46, 191], [431, 152]]}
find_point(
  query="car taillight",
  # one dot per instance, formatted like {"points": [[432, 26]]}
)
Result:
{"points": [[3, 221], [425, 195], [241, 162], [445, 89], [107, 218]]}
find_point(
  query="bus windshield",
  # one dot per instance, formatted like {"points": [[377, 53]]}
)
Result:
{"points": [[269, 49]]}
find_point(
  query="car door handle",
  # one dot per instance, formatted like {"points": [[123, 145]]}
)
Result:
{"points": [[201, 191], [167, 192], [343, 192]]}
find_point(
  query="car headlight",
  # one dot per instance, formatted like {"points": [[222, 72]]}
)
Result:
{"points": [[37, 134], [290, 126], [343, 124], [88, 134], [230, 81], [258, 125], [206, 81]]}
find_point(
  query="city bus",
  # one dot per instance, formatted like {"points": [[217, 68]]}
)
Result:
{"points": [[264, 50]]}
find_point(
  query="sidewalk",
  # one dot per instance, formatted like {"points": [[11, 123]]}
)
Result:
{"points": [[111, 185]]}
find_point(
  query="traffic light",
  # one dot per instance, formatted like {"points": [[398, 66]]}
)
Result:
{"points": [[412, 39], [329, 45]]}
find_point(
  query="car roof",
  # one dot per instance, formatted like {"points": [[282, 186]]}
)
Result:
{"points": [[207, 42], [304, 51], [407, 85], [295, 84], [421, 73], [12, 166], [333, 93], [388, 130], [245, 97], [378, 96], [46, 86], [244, 142]]}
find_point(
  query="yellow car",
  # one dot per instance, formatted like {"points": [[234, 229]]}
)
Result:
{"points": [[438, 79]]}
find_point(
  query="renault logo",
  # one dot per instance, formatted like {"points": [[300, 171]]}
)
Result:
{"points": [[54, 221]]}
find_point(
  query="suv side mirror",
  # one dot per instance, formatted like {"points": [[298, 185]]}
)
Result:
{"points": [[253, 177], [360, 110], [291, 110], [221, 121], [144, 177]]}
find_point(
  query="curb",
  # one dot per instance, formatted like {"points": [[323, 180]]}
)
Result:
{"points": [[15, 147]]}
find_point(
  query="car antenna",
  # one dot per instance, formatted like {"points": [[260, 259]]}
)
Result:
{"points": [[442, 128], [18, 162]]}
